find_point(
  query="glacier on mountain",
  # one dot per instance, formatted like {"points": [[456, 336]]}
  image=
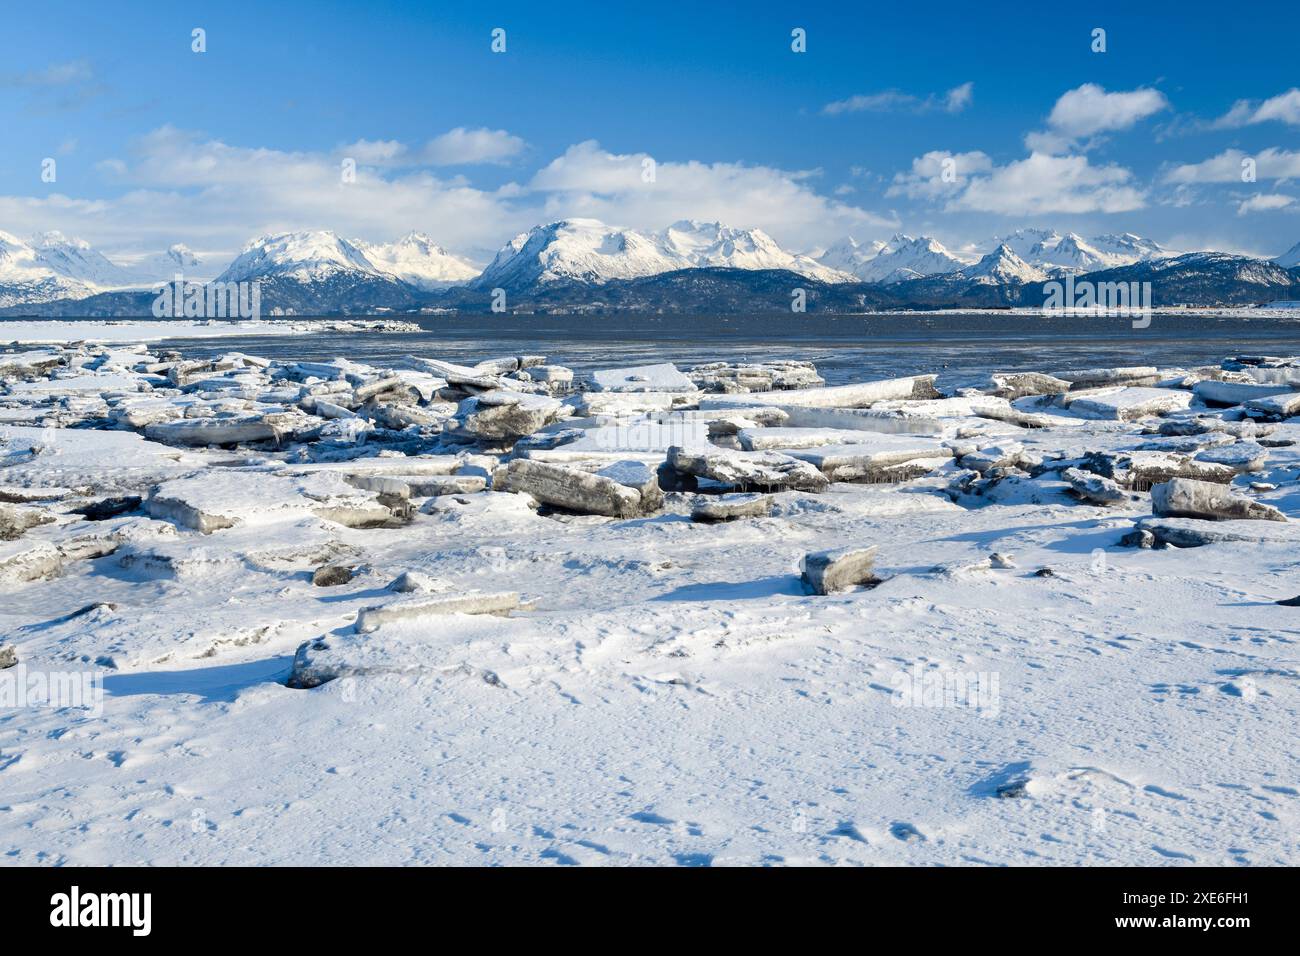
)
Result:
{"points": [[588, 250]]}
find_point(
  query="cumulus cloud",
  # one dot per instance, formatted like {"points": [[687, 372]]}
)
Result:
{"points": [[1228, 167], [1284, 108], [896, 101], [1044, 183], [457, 147], [176, 185], [633, 190], [1089, 110], [462, 146], [959, 97], [939, 173], [1265, 202]]}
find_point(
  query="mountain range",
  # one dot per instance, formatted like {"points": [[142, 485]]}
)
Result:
{"points": [[586, 265]]}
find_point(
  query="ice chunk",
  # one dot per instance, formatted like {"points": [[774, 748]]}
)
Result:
{"points": [[1187, 498], [748, 469], [1093, 488], [1124, 404], [711, 508], [1235, 393], [858, 395], [499, 602], [505, 415], [642, 378], [623, 491], [825, 572]]}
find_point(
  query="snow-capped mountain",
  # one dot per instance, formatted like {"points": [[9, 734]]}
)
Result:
{"points": [[76, 259], [319, 272], [588, 250], [164, 266], [53, 266], [906, 257], [417, 260], [1209, 278], [1137, 247], [310, 270], [300, 255], [1026, 243], [1289, 259], [1056, 253], [1002, 267], [690, 262], [25, 277], [584, 250], [713, 245], [849, 255]]}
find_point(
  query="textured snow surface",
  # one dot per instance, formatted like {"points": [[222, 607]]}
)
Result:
{"points": [[39, 332], [1026, 255], [591, 251], [667, 693]]}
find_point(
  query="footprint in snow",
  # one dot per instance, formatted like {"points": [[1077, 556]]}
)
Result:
{"points": [[850, 830], [906, 832], [563, 859], [645, 816], [1162, 792]]}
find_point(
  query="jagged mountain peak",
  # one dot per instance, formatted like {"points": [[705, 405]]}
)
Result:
{"points": [[588, 250], [1003, 266], [1289, 259]]}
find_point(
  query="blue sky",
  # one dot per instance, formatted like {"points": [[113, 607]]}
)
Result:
{"points": [[155, 143]]}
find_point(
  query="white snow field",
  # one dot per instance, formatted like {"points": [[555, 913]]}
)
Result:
{"points": [[442, 614], [125, 331]]}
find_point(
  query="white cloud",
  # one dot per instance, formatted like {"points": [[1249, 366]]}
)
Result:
{"points": [[896, 101], [1089, 110], [1265, 202], [1285, 108], [1227, 167], [959, 97], [1044, 183], [939, 173], [457, 147], [590, 181], [376, 152], [462, 146], [59, 86], [56, 74], [176, 186]]}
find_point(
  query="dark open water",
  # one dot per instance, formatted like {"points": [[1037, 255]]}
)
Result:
{"points": [[844, 348]]}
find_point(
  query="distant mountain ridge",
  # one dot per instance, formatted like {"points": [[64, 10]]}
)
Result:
{"points": [[588, 250], [584, 264]]}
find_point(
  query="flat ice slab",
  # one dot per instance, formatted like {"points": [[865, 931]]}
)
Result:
{"points": [[642, 378]]}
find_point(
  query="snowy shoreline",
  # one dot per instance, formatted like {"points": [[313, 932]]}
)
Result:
{"points": [[16, 332], [500, 613]]}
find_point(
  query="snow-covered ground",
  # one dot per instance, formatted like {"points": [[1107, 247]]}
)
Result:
{"points": [[1013, 686], [125, 331]]}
